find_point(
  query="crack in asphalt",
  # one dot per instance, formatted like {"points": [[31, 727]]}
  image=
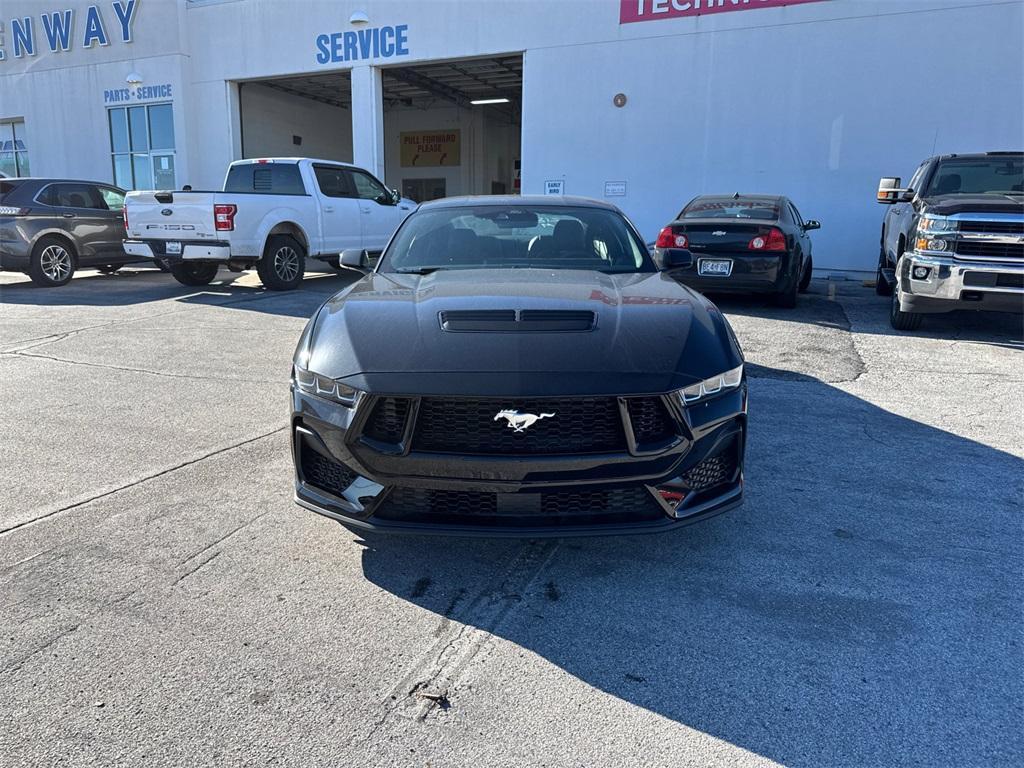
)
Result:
{"points": [[140, 481], [147, 371], [433, 678]]}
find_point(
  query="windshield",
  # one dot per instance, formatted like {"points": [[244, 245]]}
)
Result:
{"points": [[978, 176], [730, 208], [540, 236]]}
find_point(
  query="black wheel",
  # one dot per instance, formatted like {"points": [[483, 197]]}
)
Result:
{"points": [[162, 265], [194, 273], [882, 287], [787, 298], [805, 279], [283, 263], [109, 269], [900, 320], [52, 262]]}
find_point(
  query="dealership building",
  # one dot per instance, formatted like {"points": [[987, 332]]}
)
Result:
{"points": [[644, 103]]}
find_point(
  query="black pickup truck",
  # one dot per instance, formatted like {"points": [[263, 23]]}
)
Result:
{"points": [[954, 237]]}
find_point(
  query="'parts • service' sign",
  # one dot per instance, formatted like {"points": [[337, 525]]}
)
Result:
{"points": [[652, 10]]}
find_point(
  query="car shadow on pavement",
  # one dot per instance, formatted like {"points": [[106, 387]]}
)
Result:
{"points": [[861, 608], [817, 308], [131, 287]]}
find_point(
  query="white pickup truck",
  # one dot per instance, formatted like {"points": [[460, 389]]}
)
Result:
{"points": [[272, 214]]}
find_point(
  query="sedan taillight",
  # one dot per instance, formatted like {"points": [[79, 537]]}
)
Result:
{"points": [[772, 240], [224, 217], [669, 239]]}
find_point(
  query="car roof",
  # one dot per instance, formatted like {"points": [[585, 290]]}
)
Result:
{"points": [[58, 180], [742, 196], [289, 160], [980, 155], [534, 201]]}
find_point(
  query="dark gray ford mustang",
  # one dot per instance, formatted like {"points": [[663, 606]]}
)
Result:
{"points": [[518, 366]]}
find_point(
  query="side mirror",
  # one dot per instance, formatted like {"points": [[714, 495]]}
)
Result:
{"points": [[355, 258], [889, 191], [676, 258], [396, 197], [811, 224]]}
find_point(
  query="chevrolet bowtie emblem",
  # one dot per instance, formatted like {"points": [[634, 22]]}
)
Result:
{"points": [[719, 233], [520, 422]]}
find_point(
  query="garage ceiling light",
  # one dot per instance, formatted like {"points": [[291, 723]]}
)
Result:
{"points": [[489, 101]]}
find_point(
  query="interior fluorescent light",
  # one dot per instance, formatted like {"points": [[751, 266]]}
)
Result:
{"points": [[489, 101]]}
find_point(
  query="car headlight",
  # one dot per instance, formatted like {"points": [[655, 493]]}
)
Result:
{"points": [[712, 386], [936, 224], [321, 386]]}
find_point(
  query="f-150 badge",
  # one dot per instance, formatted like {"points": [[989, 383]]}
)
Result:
{"points": [[520, 422]]}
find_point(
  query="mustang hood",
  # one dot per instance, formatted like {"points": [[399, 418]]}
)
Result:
{"points": [[647, 334]]}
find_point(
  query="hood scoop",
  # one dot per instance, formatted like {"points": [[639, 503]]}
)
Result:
{"points": [[521, 321]]}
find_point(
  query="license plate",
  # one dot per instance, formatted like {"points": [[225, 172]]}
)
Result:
{"points": [[173, 246], [716, 267]]}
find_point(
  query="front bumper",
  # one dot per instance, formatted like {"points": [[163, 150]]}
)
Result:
{"points": [[157, 249], [952, 284], [696, 477]]}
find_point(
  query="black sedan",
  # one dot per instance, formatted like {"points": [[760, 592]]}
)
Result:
{"points": [[518, 366], [743, 244]]}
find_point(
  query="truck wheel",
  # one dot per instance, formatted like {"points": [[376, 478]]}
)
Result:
{"points": [[52, 262], [900, 320], [882, 287], [805, 280], [194, 273], [283, 263]]}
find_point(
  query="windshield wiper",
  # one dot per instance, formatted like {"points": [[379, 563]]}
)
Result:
{"points": [[420, 271]]}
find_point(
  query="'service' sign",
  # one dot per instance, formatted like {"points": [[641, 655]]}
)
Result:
{"points": [[652, 10]]}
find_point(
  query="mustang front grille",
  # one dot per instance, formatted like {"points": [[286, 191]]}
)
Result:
{"points": [[564, 426]]}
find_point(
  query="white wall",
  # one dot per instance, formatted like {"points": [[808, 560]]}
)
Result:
{"points": [[270, 118], [816, 112]]}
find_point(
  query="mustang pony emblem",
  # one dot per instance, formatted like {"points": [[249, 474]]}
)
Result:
{"points": [[520, 422]]}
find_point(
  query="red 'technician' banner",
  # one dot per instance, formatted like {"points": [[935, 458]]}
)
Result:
{"points": [[652, 10]]}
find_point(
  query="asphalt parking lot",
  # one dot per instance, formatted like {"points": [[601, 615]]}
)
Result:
{"points": [[165, 602]]}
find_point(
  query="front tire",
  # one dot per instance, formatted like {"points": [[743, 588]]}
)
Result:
{"points": [[52, 263], [900, 320], [194, 273], [283, 264]]}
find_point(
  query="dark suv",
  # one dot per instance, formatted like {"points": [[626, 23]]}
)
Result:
{"points": [[51, 227]]}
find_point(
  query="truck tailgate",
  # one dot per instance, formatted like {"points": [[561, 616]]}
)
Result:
{"points": [[170, 215]]}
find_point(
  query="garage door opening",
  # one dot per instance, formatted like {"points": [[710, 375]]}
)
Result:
{"points": [[453, 127], [302, 116]]}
